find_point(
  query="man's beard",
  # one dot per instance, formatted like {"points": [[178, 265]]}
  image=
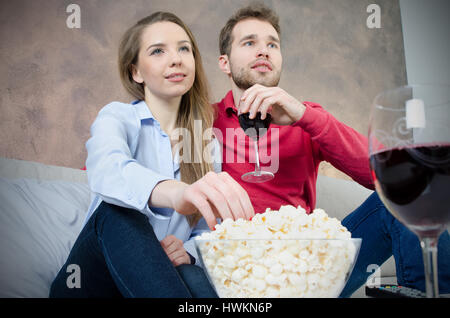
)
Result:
{"points": [[244, 78]]}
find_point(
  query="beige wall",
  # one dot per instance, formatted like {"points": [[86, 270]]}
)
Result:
{"points": [[55, 79]]}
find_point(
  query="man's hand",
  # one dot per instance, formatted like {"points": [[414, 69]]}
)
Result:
{"points": [[283, 108], [175, 250]]}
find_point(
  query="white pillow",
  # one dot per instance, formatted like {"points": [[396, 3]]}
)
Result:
{"points": [[39, 222], [14, 169], [339, 197]]}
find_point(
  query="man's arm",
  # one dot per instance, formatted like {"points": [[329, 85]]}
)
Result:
{"points": [[342, 146]]}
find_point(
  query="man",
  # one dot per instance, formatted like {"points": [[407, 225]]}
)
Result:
{"points": [[303, 134]]}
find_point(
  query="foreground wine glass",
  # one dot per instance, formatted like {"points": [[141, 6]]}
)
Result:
{"points": [[255, 128], [409, 149]]}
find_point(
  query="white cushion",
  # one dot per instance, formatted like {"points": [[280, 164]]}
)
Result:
{"points": [[339, 197], [39, 222], [14, 169]]}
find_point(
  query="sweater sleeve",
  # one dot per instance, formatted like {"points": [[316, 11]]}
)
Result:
{"points": [[340, 145]]}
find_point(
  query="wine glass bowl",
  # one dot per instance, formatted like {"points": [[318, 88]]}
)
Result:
{"points": [[255, 128], [409, 149]]}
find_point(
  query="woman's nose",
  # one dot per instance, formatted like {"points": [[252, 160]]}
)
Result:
{"points": [[175, 59]]}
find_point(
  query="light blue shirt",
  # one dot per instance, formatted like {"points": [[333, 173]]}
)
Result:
{"points": [[128, 155]]}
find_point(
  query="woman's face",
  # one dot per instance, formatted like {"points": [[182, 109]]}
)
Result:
{"points": [[166, 62]]}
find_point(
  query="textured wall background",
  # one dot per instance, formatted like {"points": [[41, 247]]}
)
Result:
{"points": [[55, 79]]}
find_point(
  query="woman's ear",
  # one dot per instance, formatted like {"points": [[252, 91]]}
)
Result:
{"points": [[224, 64], [136, 74]]}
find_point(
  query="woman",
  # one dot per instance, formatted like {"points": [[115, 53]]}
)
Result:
{"points": [[137, 241]]}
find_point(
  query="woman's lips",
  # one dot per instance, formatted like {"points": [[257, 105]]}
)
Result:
{"points": [[175, 77]]}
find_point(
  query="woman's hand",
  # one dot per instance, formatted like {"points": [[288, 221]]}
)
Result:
{"points": [[216, 195], [283, 108], [174, 249]]}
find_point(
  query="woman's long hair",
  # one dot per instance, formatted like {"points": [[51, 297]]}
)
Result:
{"points": [[194, 105]]}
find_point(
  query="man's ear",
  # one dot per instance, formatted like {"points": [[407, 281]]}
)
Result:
{"points": [[224, 64], [136, 74]]}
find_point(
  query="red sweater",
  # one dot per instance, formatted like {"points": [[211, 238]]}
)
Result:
{"points": [[293, 153]]}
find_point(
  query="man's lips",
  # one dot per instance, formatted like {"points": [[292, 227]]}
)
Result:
{"points": [[262, 66]]}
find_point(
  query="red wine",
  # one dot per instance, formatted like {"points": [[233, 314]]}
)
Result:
{"points": [[414, 183], [257, 126]]}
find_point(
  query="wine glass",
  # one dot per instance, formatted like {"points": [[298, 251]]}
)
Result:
{"points": [[255, 128], [409, 149]]}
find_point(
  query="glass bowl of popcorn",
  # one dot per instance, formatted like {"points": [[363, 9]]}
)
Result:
{"points": [[285, 253]]}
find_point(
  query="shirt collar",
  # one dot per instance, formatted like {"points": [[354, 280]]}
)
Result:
{"points": [[143, 110], [228, 101]]}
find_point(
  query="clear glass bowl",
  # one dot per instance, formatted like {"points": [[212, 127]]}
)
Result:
{"points": [[298, 268]]}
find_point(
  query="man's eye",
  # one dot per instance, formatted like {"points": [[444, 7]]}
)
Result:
{"points": [[156, 51], [248, 43], [273, 46]]}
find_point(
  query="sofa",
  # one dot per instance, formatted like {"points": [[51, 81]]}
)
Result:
{"points": [[43, 209]]}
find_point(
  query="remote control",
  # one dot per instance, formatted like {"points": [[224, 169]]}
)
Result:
{"points": [[393, 291]]}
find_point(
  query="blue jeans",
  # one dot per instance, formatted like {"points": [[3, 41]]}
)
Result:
{"points": [[118, 255], [382, 236]]}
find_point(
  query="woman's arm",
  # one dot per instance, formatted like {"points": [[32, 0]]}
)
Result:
{"points": [[216, 195], [112, 171], [119, 179]]}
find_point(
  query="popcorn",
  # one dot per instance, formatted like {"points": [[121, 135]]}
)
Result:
{"points": [[285, 253]]}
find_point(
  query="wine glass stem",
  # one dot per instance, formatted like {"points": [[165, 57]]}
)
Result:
{"points": [[257, 167], [429, 251]]}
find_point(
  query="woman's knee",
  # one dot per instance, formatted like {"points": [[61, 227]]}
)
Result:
{"points": [[196, 280], [112, 220]]}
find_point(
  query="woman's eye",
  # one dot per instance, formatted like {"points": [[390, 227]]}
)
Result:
{"points": [[156, 51], [185, 49]]}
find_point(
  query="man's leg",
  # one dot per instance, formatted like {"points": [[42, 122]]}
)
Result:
{"points": [[409, 260], [368, 222], [382, 236]]}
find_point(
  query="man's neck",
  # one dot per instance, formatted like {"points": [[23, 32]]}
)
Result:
{"points": [[237, 93]]}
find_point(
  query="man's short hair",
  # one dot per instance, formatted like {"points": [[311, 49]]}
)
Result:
{"points": [[255, 11]]}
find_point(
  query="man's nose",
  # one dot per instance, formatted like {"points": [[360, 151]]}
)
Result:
{"points": [[263, 52]]}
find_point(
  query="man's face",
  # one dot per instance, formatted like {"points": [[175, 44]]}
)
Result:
{"points": [[255, 56]]}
